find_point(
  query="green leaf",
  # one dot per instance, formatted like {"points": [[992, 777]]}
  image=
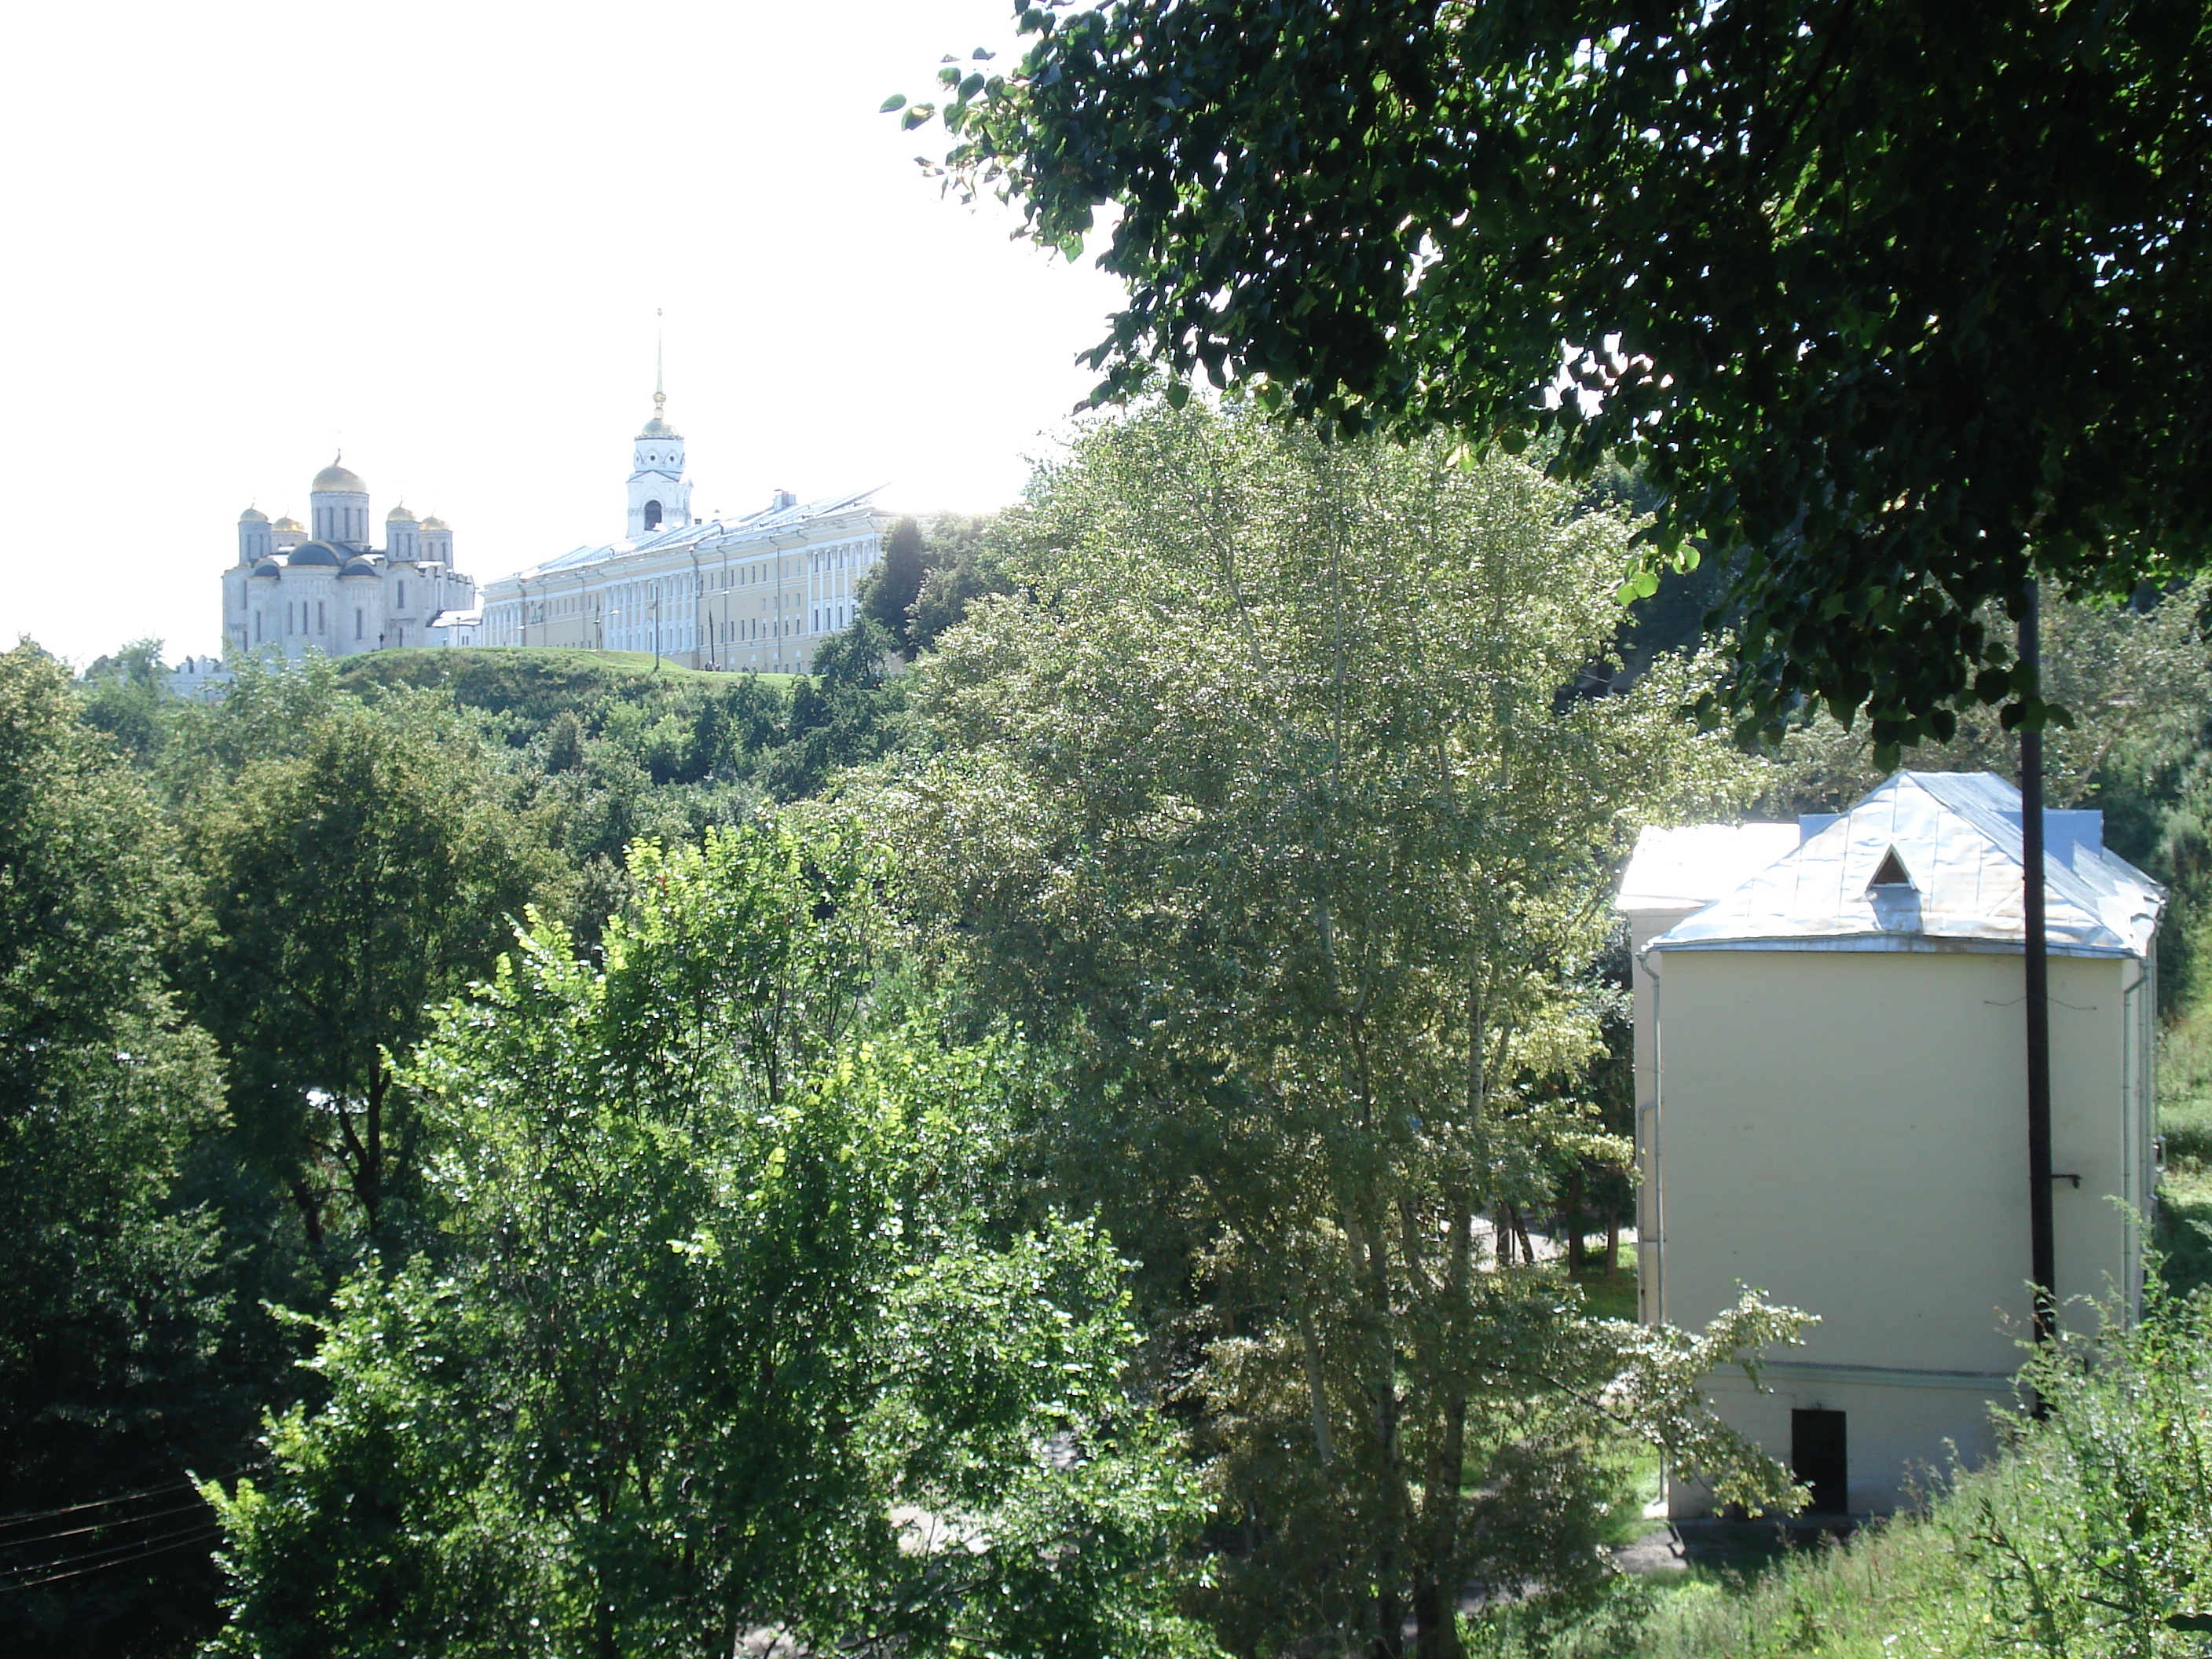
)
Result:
{"points": [[896, 101]]}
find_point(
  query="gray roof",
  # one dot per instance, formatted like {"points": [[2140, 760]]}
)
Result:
{"points": [[766, 522], [1957, 837]]}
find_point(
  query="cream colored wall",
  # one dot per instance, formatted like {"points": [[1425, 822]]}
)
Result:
{"points": [[1898, 1439], [1846, 1132], [1644, 927]]}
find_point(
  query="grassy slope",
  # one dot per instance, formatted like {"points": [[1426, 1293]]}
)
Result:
{"points": [[2184, 1208], [535, 682], [436, 665]]}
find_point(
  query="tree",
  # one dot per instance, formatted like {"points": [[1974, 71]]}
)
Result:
{"points": [[2136, 681], [1263, 799], [729, 1334], [1902, 300], [361, 869], [111, 1288], [887, 592], [126, 695], [963, 567]]}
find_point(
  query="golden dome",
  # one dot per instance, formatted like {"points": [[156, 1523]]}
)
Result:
{"points": [[433, 522], [399, 514], [287, 522], [253, 515], [336, 480]]}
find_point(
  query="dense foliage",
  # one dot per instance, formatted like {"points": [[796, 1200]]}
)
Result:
{"points": [[1891, 297], [111, 1289], [1048, 1151], [725, 1329], [1263, 797], [2091, 1538]]}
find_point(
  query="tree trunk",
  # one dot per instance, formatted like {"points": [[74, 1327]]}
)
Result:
{"points": [[1436, 1578], [1574, 1207], [1316, 1394], [1612, 1243], [1389, 1610]]}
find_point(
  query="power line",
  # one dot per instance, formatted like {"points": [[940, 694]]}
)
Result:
{"points": [[99, 1526], [122, 1554], [171, 1484]]}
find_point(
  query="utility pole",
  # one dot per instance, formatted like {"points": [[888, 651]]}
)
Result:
{"points": [[2036, 951]]}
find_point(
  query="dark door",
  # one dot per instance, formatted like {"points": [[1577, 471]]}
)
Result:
{"points": [[1818, 1459]]}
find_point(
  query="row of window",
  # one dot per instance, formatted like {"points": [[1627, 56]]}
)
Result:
{"points": [[245, 598], [630, 608], [295, 621]]}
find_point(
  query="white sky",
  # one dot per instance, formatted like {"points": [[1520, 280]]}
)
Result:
{"points": [[243, 233]]}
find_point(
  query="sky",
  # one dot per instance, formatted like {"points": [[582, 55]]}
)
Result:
{"points": [[243, 236]]}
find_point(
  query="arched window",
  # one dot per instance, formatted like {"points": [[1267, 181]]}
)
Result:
{"points": [[652, 515]]}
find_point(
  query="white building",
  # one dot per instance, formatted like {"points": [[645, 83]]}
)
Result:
{"points": [[1832, 1108], [759, 590], [296, 589]]}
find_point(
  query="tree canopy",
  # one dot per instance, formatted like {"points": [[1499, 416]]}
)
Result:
{"points": [[1266, 798], [728, 1334], [110, 1288], [360, 868], [1896, 305]]}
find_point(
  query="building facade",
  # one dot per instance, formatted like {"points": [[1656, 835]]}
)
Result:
{"points": [[324, 586], [760, 591], [1832, 1108]]}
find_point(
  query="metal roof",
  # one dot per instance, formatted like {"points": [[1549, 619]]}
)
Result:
{"points": [[1688, 868], [766, 522], [1957, 836]]}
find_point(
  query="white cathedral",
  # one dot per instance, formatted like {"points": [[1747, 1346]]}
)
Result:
{"points": [[327, 589], [754, 591]]}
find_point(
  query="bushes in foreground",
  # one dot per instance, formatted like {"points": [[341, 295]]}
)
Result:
{"points": [[2090, 1537]]}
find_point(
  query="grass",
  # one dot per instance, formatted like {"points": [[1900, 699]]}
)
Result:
{"points": [[1895, 1590], [1613, 1297], [2183, 1234], [557, 660]]}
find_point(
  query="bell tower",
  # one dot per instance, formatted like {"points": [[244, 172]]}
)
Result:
{"points": [[659, 493]]}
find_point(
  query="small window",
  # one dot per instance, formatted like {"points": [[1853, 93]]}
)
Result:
{"points": [[1890, 872], [652, 515]]}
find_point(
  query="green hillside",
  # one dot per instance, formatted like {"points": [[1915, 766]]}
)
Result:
{"points": [[535, 682]]}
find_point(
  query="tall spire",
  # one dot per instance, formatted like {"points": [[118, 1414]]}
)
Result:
{"points": [[660, 396]]}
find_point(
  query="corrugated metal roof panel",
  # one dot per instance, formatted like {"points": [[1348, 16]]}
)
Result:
{"points": [[1684, 869], [1958, 835]]}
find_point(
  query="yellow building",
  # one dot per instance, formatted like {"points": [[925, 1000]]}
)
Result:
{"points": [[1832, 1108], [761, 590]]}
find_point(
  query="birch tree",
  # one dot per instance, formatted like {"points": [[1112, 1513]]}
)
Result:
{"points": [[1270, 797]]}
